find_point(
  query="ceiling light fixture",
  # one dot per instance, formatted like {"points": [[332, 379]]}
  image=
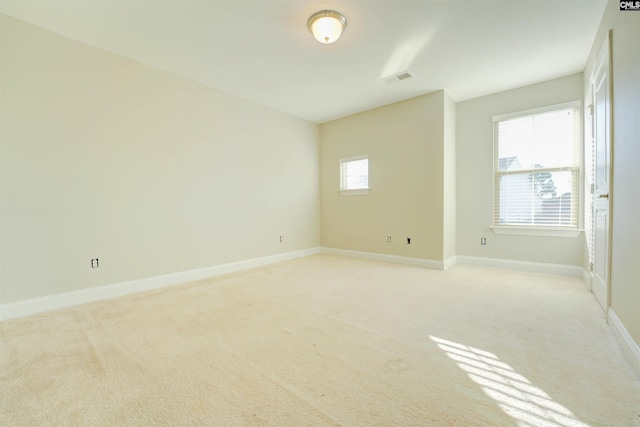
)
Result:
{"points": [[327, 25]]}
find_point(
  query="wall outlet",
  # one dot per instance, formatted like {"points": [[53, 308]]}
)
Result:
{"points": [[408, 240], [483, 241], [94, 263], [281, 239], [388, 239]]}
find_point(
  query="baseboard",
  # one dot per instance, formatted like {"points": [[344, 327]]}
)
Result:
{"points": [[538, 267], [629, 346], [68, 299], [418, 262], [450, 262]]}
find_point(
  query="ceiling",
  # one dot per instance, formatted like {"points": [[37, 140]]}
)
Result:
{"points": [[262, 50]]}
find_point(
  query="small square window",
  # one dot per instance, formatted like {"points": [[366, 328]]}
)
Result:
{"points": [[354, 175]]}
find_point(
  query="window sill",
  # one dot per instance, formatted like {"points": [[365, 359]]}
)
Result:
{"points": [[537, 231], [358, 192]]}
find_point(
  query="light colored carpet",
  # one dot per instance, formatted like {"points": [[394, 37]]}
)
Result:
{"points": [[325, 340]]}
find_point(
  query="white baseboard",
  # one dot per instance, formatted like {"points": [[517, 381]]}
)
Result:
{"points": [[629, 346], [67, 299], [538, 267], [450, 262], [419, 262]]}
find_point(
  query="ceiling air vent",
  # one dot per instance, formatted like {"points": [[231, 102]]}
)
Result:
{"points": [[403, 75]]}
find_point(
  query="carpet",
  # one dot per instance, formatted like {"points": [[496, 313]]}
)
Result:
{"points": [[325, 341]]}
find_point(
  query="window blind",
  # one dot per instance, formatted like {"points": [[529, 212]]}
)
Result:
{"points": [[590, 179], [536, 168], [354, 173]]}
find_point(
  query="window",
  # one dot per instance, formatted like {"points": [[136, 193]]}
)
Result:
{"points": [[536, 168], [354, 175]]}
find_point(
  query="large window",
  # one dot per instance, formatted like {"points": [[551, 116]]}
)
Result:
{"points": [[354, 175], [536, 168]]}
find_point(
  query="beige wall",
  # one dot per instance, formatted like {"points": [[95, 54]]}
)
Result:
{"points": [[474, 166], [625, 227], [103, 157], [404, 142]]}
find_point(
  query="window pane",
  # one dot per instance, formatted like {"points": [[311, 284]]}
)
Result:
{"points": [[554, 134], [536, 141], [515, 149], [538, 198], [355, 174]]}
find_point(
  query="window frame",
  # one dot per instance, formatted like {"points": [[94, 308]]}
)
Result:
{"points": [[577, 168], [352, 191]]}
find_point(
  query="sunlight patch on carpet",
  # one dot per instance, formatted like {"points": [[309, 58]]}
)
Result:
{"points": [[528, 405]]}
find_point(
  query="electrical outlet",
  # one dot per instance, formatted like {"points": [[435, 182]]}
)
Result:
{"points": [[483, 241], [408, 240], [281, 239], [388, 239], [94, 263]]}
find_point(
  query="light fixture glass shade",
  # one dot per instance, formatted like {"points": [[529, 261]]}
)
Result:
{"points": [[327, 25]]}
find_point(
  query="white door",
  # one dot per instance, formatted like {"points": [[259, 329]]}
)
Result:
{"points": [[601, 92]]}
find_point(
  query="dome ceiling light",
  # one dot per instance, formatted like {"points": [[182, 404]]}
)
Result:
{"points": [[327, 25]]}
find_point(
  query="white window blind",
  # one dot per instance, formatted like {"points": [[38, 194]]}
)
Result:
{"points": [[536, 168], [354, 174], [590, 179]]}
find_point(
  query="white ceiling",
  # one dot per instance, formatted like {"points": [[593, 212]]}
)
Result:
{"points": [[262, 50]]}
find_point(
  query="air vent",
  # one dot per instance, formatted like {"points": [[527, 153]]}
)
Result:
{"points": [[403, 75]]}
